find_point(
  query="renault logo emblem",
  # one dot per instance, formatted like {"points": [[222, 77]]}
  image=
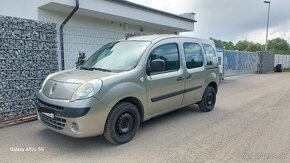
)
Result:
{"points": [[52, 89]]}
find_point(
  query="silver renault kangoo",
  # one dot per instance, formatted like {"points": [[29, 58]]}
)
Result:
{"points": [[127, 82]]}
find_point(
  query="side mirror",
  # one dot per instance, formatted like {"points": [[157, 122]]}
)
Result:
{"points": [[156, 65]]}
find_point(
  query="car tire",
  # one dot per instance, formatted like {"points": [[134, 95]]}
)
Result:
{"points": [[208, 100], [122, 123]]}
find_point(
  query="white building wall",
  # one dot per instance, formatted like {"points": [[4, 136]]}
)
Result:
{"points": [[85, 31], [92, 22], [87, 34], [107, 10]]}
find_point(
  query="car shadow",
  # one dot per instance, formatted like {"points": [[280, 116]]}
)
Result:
{"points": [[171, 116]]}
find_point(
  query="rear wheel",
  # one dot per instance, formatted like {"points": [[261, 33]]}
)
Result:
{"points": [[208, 99], [122, 123]]}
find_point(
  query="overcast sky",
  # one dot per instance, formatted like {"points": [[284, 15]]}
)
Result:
{"points": [[231, 20]]}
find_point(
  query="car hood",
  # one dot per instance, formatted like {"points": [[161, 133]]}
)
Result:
{"points": [[62, 85], [79, 76]]}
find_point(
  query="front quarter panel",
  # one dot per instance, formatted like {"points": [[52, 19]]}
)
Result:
{"points": [[116, 89], [122, 91]]}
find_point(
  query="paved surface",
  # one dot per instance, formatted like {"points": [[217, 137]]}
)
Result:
{"points": [[251, 123]]}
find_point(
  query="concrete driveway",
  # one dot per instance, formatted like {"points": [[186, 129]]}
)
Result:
{"points": [[250, 123]]}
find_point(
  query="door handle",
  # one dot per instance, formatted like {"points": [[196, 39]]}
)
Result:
{"points": [[189, 77], [212, 68], [180, 78]]}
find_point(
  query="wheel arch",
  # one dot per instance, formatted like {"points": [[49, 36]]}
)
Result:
{"points": [[214, 85], [135, 101]]}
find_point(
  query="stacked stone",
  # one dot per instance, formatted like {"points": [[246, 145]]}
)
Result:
{"points": [[28, 53], [266, 62]]}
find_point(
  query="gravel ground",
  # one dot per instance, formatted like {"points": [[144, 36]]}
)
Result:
{"points": [[250, 123]]}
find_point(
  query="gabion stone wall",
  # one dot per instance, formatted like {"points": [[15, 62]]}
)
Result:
{"points": [[266, 62], [28, 53]]}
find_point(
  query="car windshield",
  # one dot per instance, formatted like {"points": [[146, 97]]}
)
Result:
{"points": [[116, 56]]}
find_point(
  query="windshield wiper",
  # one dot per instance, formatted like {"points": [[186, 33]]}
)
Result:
{"points": [[96, 68], [101, 69]]}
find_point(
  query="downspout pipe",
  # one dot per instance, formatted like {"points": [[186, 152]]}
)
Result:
{"points": [[61, 32]]}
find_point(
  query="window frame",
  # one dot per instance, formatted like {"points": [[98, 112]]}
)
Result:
{"points": [[168, 71], [214, 53], [202, 54]]}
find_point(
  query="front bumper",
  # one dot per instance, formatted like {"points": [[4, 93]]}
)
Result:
{"points": [[89, 114]]}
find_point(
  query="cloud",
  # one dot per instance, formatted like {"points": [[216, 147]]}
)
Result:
{"points": [[231, 20], [259, 35]]}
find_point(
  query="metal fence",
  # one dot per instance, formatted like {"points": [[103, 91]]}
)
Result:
{"points": [[282, 59], [237, 62], [85, 40]]}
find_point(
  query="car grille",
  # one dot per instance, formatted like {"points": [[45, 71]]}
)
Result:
{"points": [[49, 106], [56, 122]]}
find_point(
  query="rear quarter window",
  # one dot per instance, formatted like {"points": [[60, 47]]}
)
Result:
{"points": [[193, 55], [210, 54]]}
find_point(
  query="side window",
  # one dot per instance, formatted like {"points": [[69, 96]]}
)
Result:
{"points": [[210, 54], [193, 55], [168, 53]]}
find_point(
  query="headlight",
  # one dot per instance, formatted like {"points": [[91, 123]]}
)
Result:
{"points": [[87, 90]]}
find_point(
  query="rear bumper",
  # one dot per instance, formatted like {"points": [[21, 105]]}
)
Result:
{"points": [[89, 114]]}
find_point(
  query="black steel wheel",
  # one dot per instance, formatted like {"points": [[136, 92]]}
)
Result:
{"points": [[208, 99], [122, 123]]}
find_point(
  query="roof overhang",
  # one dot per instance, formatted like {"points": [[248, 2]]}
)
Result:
{"points": [[126, 12]]}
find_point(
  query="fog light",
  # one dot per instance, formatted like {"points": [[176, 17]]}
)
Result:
{"points": [[74, 127]]}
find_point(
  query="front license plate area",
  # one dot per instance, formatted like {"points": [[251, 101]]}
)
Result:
{"points": [[50, 115]]}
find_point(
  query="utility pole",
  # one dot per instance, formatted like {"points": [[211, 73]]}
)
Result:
{"points": [[266, 44]]}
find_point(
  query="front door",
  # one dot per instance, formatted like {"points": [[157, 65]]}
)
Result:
{"points": [[165, 88]]}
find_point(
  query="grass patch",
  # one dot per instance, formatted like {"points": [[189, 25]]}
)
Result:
{"points": [[286, 70]]}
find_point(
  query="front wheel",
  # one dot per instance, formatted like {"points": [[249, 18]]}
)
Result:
{"points": [[208, 99], [122, 123]]}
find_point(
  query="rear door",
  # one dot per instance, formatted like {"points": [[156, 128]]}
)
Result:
{"points": [[195, 70], [165, 88], [212, 67]]}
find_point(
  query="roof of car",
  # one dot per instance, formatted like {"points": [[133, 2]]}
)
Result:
{"points": [[151, 37], [165, 36]]}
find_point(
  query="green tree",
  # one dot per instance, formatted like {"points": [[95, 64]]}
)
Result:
{"points": [[218, 43], [278, 46], [254, 47], [81, 59], [229, 45], [242, 45]]}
